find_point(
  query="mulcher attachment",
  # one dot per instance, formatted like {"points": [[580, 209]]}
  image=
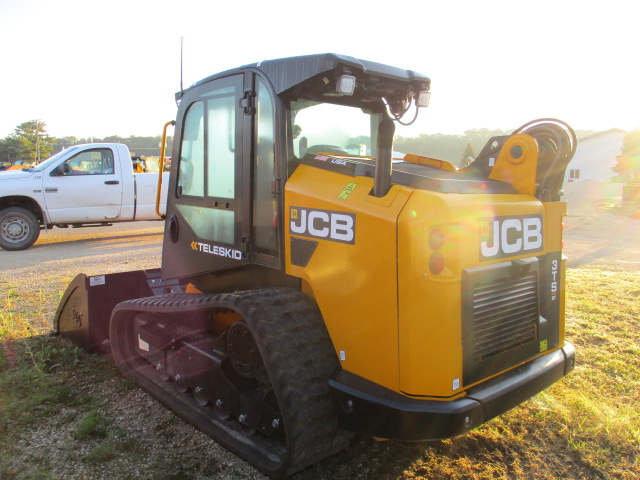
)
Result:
{"points": [[250, 369], [85, 308]]}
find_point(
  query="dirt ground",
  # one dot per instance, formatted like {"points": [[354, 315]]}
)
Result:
{"points": [[60, 244], [599, 229], [599, 232]]}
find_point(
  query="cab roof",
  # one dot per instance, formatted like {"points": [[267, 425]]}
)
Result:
{"points": [[286, 73]]}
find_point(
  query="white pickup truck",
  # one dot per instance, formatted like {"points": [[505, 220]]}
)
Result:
{"points": [[84, 185]]}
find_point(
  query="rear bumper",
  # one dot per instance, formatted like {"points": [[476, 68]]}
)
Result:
{"points": [[368, 408]]}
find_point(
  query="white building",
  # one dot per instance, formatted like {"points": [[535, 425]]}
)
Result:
{"points": [[595, 157]]}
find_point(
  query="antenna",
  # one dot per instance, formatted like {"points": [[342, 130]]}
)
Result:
{"points": [[179, 94]]}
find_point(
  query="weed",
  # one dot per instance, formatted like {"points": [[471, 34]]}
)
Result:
{"points": [[14, 327], [42, 475], [93, 424], [4, 360], [7, 473], [585, 426], [28, 396], [102, 453], [116, 443]]}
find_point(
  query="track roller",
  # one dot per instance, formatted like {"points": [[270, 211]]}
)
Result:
{"points": [[257, 384]]}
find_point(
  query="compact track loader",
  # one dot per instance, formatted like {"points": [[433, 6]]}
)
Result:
{"points": [[312, 285]]}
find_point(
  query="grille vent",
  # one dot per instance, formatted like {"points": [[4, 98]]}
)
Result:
{"points": [[505, 315], [500, 317]]}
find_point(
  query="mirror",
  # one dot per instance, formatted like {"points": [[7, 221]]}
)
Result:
{"points": [[62, 169]]}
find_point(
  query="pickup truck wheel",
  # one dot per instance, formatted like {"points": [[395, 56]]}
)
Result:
{"points": [[19, 228]]}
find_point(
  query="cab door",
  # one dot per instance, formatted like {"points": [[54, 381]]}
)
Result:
{"points": [[267, 178], [204, 230], [224, 200]]}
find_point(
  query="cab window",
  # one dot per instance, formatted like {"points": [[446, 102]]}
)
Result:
{"points": [[208, 172], [190, 177], [264, 205]]}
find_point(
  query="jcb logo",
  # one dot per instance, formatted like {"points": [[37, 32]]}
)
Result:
{"points": [[509, 236], [324, 224]]}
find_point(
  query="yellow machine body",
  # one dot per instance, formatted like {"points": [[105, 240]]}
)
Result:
{"points": [[315, 282], [391, 319]]}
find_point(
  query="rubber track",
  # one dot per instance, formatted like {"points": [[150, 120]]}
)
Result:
{"points": [[299, 357]]}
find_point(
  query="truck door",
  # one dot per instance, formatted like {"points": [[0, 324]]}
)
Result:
{"points": [[88, 189], [222, 209]]}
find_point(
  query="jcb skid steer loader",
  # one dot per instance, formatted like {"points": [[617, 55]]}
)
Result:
{"points": [[312, 285]]}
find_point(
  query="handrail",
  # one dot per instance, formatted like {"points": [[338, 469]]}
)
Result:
{"points": [[161, 165]]}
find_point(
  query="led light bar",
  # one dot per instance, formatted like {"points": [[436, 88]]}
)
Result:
{"points": [[423, 98], [346, 85]]}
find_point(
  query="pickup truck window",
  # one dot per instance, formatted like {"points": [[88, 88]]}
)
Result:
{"points": [[92, 162], [54, 158]]}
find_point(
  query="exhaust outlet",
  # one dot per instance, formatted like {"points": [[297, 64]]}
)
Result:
{"points": [[382, 180]]}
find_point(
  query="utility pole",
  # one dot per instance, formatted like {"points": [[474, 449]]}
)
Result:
{"points": [[37, 123], [37, 145]]}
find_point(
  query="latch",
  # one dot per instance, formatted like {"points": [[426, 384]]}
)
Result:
{"points": [[246, 248], [248, 102], [275, 186]]}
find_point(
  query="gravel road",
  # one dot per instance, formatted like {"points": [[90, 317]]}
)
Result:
{"points": [[69, 243], [599, 230]]}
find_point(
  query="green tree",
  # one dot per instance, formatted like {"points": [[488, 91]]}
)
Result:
{"points": [[66, 142], [628, 162], [8, 151], [446, 147], [32, 142], [112, 139]]}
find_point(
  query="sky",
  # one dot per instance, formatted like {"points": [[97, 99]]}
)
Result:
{"points": [[100, 68]]}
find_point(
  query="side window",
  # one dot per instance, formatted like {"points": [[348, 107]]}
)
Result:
{"points": [[208, 167], [264, 205], [190, 175], [221, 129], [91, 162]]}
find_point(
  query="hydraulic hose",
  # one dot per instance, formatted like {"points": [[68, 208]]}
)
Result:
{"points": [[557, 142]]}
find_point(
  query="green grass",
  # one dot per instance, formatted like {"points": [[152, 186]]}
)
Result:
{"points": [[116, 441], [35, 384], [93, 424], [586, 426]]}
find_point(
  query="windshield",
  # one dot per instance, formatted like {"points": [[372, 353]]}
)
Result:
{"points": [[329, 128], [41, 166]]}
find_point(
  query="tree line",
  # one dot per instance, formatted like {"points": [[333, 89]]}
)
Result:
{"points": [[456, 149], [30, 144]]}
